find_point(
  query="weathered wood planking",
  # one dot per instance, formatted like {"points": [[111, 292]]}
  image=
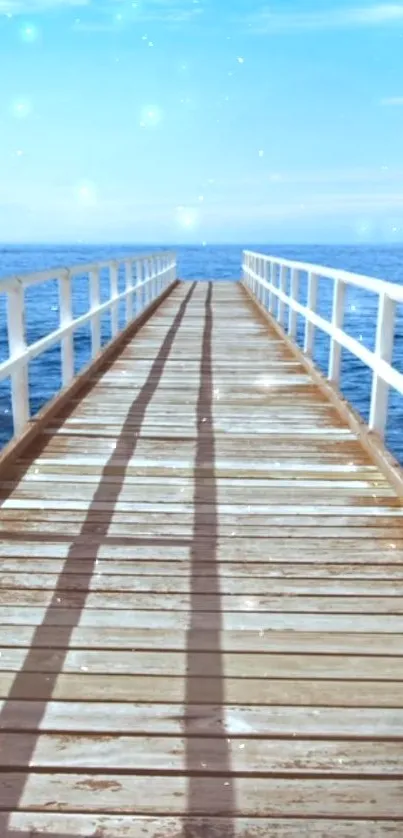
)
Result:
{"points": [[201, 599]]}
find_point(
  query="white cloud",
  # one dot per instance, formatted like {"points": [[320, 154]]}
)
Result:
{"points": [[269, 21], [393, 101], [170, 11], [17, 7]]}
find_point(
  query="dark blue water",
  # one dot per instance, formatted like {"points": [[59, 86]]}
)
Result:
{"points": [[215, 262]]}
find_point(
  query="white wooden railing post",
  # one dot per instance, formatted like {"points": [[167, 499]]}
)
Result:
{"points": [[262, 290], [339, 296], [312, 300], [17, 345], [172, 277], [273, 298], [153, 283], [283, 288], [385, 332], [138, 291], [128, 286], [66, 317], [95, 319], [292, 314], [145, 273], [113, 277]]}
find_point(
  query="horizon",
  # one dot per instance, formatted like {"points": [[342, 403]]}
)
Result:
{"points": [[217, 121], [200, 245]]}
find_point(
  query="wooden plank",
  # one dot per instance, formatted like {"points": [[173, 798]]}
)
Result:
{"points": [[116, 568], [134, 826], [205, 640], [244, 691], [204, 664], [305, 621], [123, 601], [155, 754], [309, 641], [274, 722], [206, 584], [299, 550], [342, 528], [111, 793]]}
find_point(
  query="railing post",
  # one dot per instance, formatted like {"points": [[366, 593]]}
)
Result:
{"points": [[273, 298], [151, 281], [312, 299], [283, 288], [266, 277], [384, 351], [138, 291], [144, 267], [172, 273], [128, 286], [292, 314], [113, 276], [261, 276], [253, 280], [17, 345], [95, 319], [157, 274], [339, 295], [66, 317], [248, 266]]}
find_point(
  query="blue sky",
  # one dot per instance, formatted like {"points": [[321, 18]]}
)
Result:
{"points": [[201, 120]]}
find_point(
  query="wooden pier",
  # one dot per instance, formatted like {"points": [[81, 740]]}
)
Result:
{"points": [[201, 593]]}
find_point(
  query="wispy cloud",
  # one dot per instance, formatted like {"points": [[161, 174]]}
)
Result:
{"points": [[392, 101], [170, 11], [17, 7], [271, 20]]}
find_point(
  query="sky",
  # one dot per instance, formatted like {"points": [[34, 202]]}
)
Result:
{"points": [[162, 121]]}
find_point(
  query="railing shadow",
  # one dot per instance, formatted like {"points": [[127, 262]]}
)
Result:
{"points": [[91, 537], [213, 794]]}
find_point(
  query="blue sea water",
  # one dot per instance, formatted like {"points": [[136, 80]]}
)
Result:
{"points": [[212, 262]]}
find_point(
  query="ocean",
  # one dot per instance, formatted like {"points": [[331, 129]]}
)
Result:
{"points": [[198, 262]]}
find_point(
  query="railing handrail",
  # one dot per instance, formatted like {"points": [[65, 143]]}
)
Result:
{"points": [[153, 273], [259, 273], [368, 283], [37, 277]]}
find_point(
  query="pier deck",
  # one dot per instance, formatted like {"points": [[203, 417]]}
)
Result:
{"points": [[201, 591]]}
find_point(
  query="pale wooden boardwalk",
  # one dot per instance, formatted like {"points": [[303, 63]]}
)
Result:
{"points": [[201, 601]]}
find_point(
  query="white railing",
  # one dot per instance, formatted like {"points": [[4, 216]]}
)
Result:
{"points": [[145, 277], [269, 277]]}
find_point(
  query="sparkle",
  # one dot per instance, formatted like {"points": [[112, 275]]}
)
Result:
{"points": [[150, 117], [240, 60], [261, 152], [187, 216], [22, 108], [86, 194], [19, 153], [29, 33]]}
